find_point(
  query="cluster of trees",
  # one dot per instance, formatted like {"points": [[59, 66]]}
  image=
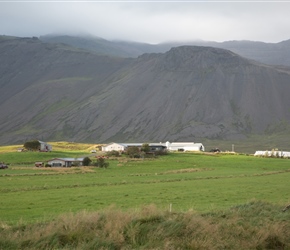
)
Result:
{"points": [[136, 152], [144, 151], [32, 145], [132, 152], [100, 162]]}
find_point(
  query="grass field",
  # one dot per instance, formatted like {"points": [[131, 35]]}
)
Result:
{"points": [[177, 201], [187, 181]]}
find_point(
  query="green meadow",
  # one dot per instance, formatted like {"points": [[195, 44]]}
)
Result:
{"points": [[178, 181], [175, 201]]}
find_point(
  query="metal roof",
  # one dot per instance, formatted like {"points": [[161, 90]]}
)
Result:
{"points": [[68, 159]]}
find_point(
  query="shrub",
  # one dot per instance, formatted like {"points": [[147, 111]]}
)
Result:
{"points": [[133, 152], [161, 152], [145, 148], [101, 163], [113, 153], [86, 161]]}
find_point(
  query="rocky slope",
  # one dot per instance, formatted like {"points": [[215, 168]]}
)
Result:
{"points": [[53, 92]]}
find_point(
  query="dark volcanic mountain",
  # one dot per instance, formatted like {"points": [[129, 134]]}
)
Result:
{"points": [[53, 92]]}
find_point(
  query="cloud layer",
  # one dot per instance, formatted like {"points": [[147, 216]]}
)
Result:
{"points": [[149, 21]]}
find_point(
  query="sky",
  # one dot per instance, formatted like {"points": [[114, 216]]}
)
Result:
{"points": [[149, 21]]}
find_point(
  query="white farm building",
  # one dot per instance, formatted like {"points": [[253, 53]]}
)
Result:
{"points": [[273, 153], [171, 146], [114, 146], [184, 146], [65, 162]]}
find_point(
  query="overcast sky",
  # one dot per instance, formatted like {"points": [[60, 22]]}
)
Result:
{"points": [[149, 21]]}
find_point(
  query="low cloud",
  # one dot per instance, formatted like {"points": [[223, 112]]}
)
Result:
{"points": [[148, 21]]}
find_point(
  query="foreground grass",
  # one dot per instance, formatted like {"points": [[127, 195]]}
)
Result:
{"points": [[254, 225], [186, 181]]}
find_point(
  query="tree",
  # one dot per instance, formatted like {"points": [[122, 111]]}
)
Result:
{"points": [[101, 163], [133, 152], [145, 147], [86, 161], [32, 145]]}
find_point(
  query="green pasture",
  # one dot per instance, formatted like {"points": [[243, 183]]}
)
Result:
{"points": [[29, 158], [182, 181], [11, 156]]}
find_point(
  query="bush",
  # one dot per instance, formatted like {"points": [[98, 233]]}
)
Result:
{"points": [[161, 152], [133, 152], [86, 161], [101, 163], [113, 153], [145, 148]]}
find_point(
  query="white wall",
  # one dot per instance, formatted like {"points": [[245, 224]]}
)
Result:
{"points": [[270, 152], [113, 146], [185, 146], [56, 162]]}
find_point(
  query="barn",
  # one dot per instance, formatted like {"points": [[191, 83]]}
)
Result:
{"points": [[184, 146]]}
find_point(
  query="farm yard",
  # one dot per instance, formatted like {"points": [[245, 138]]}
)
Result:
{"points": [[177, 184]]}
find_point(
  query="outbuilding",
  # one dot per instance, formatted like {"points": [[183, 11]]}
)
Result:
{"points": [[114, 146], [273, 153], [44, 147], [184, 146], [65, 162]]}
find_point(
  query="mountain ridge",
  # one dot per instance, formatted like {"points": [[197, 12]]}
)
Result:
{"points": [[56, 92], [267, 53]]}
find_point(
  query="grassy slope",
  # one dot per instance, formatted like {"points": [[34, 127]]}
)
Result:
{"points": [[9, 154]]}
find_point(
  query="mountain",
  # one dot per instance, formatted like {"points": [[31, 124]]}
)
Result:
{"points": [[267, 53], [41, 82], [105, 47], [56, 92], [192, 92]]}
